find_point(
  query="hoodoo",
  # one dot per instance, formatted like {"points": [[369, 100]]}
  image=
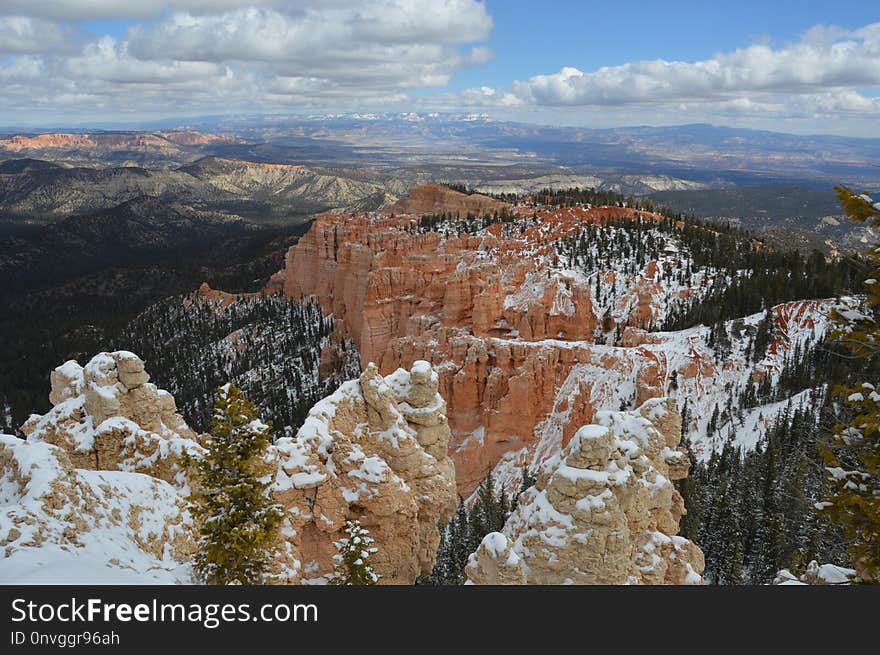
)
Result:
{"points": [[103, 473], [528, 345]]}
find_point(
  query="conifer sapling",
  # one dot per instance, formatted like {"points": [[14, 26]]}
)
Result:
{"points": [[239, 519], [351, 565]]}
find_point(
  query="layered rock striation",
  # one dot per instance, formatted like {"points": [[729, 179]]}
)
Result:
{"points": [[528, 347], [438, 199]]}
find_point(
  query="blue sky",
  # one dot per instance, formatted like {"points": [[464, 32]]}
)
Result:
{"points": [[790, 66], [531, 38]]}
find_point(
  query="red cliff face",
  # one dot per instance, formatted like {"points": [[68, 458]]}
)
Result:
{"points": [[193, 138], [18, 142], [159, 141], [521, 344], [438, 199], [502, 328]]}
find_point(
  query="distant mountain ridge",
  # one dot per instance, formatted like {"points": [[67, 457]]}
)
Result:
{"points": [[48, 191], [467, 143]]}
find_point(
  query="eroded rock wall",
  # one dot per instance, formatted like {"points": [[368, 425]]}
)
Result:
{"points": [[375, 451], [113, 445], [603, 511]]}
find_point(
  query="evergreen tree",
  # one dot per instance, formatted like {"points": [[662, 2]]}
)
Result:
{"points": [[351, 565], [238, 518], [488, 512], [689, 488], [852, 451], [460, 545], [527, 480]]}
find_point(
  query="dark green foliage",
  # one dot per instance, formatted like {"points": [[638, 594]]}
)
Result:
{"points": [[238, 518], [461, 188], [851, 450], [274, 354], [461, 536], [759, 505], [455, 225], [746, 276], [351, 563], [752, 511], [77, 318]]}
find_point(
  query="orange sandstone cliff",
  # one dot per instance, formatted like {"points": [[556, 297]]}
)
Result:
{"points": [[524, 350]]}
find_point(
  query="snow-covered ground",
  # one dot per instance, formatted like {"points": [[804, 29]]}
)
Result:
{"points": [[61, 525], [689, 370]]}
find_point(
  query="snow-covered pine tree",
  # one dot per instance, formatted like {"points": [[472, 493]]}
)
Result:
{"points": [[351, 565], [239, 520], [852, 452]]}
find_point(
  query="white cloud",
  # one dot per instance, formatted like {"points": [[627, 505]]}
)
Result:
{"points": [[209, 56], [271, 53], [398, 43], [841, 102], [821, 83], [80, 10], [825, 58], [23, 35]]}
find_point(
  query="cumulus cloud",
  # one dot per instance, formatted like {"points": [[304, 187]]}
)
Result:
{"points": [[234, 55], [399, 43], [25, 35], [81, 10], [825, 58], [822, 82], [332, 55]]}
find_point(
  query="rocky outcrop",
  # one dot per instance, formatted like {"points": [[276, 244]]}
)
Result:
{"points": [[527, 346], [98, 491], [193, 138], [439, 199], [59, 523], [816, 574], [19, 142], [107, 416], [102, 143], [374, 451], [501, 325], [385, 283], [603, 511]]}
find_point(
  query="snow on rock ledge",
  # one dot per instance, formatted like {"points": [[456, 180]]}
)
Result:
{"points": [[603, 511], [61, 525], [375, 451], [99, 486], [826, 574], [108, 417], [97, 492]]}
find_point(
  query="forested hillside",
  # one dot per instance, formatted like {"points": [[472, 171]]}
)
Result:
{"points": [[268, 346]]}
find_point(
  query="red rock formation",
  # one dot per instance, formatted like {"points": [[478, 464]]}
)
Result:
{"points": [[602, 511], [502, 329], [375, 450], [160, 141], [18, 142], [221, 299], [192, 138], [438, 199], [510, 332]]}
